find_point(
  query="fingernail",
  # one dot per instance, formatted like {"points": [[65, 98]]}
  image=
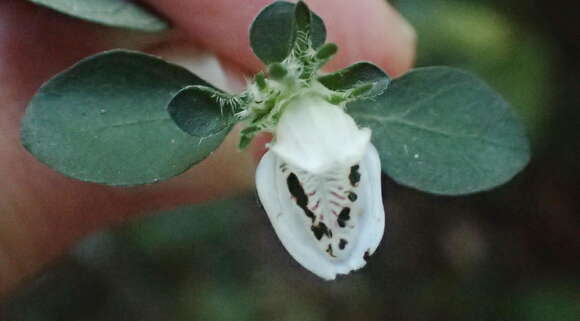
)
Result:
{"points": [[204, 64]]}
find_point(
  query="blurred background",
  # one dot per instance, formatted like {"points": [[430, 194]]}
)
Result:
{"points": [[509, 254]]}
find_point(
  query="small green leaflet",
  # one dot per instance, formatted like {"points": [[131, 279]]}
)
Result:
{"points": [[356, 76], [202, 111], [444, 131], [114, 13], [273, 32], [104, 120]]}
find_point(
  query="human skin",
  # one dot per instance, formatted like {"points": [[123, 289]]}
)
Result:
{"points": [[42, 213]]}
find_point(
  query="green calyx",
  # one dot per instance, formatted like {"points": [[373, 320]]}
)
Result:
{"points": [[266, 98], [296, 75]]}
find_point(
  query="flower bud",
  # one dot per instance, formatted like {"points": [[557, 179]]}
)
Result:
{"points": [[314, 135]]}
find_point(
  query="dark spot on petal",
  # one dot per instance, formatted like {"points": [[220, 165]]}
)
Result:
{"points": [[297, 191], [343, 216], [366, 256], [330, 251], [342, 244], [321, 230], [354, 176], [352, 196]]}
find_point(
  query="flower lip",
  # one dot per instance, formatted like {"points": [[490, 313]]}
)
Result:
{"points": [[295, 225], [314, 135]]}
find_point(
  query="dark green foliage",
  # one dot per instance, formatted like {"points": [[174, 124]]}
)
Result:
{"points": [[104, 120], [444, 131], [114, 13], [273, 32]]}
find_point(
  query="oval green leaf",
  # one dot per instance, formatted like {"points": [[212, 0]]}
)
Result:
{"points": [[104, 120], [357, 75], [113, 13], [197, 111], [444, 131], [272, 32]]}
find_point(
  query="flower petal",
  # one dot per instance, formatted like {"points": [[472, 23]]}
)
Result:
{"points": [[314, 135], [308, 212]]}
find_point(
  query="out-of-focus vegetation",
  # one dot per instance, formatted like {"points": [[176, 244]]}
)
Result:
{"points": [[475, 36], [509, 254]]}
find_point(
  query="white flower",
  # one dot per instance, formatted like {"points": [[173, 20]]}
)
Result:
{"points": [[320, 186], [316, 136]]}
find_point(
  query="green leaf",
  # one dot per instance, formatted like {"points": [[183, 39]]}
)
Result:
{"points": [[104, 120], [272, 33], [114, 13], [357, 75], [444, 131], [302, 17], [197, 111]]}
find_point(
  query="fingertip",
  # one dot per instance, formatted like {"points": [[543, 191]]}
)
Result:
{"points": [[220, 26], [368, 31]]}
